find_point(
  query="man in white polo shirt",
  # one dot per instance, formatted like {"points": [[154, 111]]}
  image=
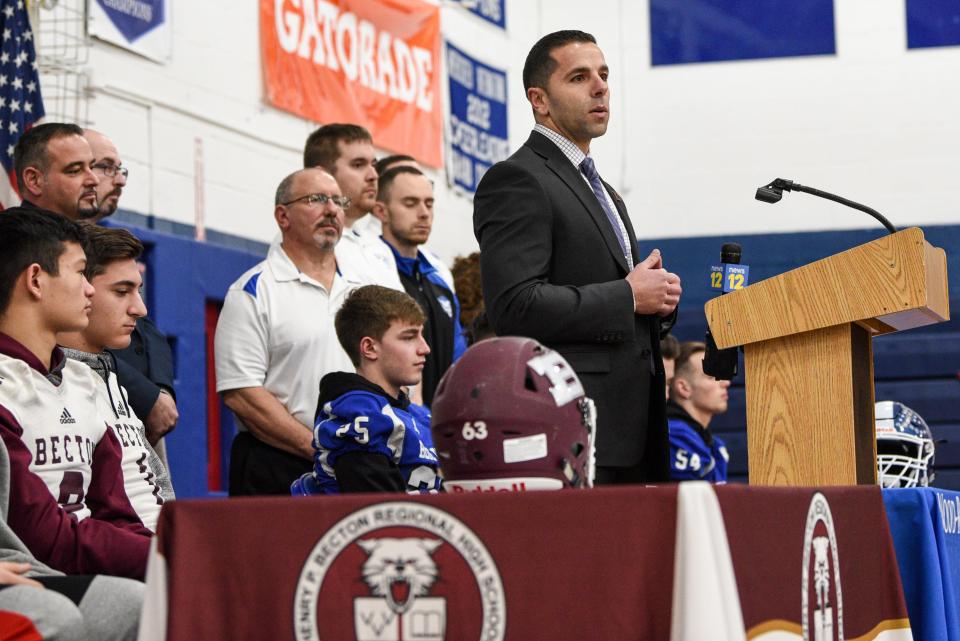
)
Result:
{"points": [[275, 338]]}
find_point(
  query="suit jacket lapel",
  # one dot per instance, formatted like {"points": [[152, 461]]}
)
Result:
{"points": [[564, 169]]}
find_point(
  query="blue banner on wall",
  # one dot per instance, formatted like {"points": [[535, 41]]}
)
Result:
{"points": [[478, 118], [133, 18], [933, 23], [714, 30], [493, 11]]}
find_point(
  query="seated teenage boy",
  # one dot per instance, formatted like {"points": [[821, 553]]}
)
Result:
{"points": [[369, 437], [116, 305], [67, 501], [695, 398]]}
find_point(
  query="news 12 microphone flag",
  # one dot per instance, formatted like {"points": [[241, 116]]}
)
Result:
{"points": [[478, 135], [20, 103]]}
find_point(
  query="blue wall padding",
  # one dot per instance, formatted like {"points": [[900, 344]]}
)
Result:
{"points": [[182, 275]]}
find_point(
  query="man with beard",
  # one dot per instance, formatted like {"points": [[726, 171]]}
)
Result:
{"points": [[57, 170], [405, 207], [276, 339], [110, 171], [54, 167], [145, 368], [346, 152]]}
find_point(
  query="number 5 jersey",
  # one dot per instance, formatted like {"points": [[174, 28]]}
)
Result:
{"points": [[368, 441]]}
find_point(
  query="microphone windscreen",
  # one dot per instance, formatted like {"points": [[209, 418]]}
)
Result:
{"points": [[730, 253]]}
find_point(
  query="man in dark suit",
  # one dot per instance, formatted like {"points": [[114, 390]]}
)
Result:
{"points": [[560, 263]]}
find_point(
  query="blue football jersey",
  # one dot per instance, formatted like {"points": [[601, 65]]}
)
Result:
{"points": [[362, 421], [692, 459]]}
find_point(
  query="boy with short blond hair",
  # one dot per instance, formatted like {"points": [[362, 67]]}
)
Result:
{"points": [[368, 436]]}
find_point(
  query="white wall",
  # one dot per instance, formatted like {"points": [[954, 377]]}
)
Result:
{"points": [[687, 145]]}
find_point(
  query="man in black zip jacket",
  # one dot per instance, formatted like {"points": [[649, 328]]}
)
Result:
{"points": [[405, 207]]}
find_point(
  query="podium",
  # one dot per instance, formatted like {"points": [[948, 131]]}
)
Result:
{"points": [[807, 338]]}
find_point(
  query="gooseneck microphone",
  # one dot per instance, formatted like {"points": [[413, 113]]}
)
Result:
{"points": [[722, 364], [773, 192]]}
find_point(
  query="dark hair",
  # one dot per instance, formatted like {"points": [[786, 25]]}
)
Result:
{"points": [[540, 64], [479, 329], [688, 350], [669, 347], [31, 149], [105, 245], [382, 164], [322, 146], [29, 236], [466, 282], [386, 180], [368, 312]]}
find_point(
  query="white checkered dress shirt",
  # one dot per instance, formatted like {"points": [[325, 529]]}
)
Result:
{"points": [[575, 155]]}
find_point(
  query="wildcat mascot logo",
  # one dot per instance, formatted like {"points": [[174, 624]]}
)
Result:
{"points": [[396, 566], [400, 573]]}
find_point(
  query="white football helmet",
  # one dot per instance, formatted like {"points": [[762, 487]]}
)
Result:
{"points": [[904, 446]]}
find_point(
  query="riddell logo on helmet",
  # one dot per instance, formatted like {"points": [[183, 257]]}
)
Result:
{"points": [[514, 487], [503, 485]]}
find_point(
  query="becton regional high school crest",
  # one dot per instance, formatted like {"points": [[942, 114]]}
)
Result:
{"points": [[399, 571]]}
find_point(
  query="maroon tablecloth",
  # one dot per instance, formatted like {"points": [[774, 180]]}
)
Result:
{"points": [[593, 564]]}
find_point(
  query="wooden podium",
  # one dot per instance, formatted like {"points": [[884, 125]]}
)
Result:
{"points": [[809, 360]]}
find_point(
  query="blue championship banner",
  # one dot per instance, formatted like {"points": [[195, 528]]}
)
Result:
{"points": [[478, 118], [141, 26], [493, 11]]}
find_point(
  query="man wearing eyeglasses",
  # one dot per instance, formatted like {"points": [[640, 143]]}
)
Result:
{"points": [[110, 172], [346, 151], [275, 337], [145, 368]]}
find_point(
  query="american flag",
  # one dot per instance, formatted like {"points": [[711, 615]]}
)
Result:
{"points": [[20, 103]]}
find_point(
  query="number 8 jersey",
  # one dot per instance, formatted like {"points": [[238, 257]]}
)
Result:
{"points": [[67, 503]]}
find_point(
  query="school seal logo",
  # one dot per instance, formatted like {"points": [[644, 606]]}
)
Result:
{"points": [[391, 572], [821, 576]]}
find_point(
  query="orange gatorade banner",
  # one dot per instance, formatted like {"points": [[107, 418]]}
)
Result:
{"points": [[375, 63]]}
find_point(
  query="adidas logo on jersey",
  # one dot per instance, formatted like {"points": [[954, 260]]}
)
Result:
{"points": [[66, 419], [121, 411]]}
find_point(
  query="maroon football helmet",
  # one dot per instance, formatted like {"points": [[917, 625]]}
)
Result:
{"points": [[511, 414]]}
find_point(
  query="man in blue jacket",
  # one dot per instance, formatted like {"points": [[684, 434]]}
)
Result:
{"points": [[405, 207], [695, 398]]}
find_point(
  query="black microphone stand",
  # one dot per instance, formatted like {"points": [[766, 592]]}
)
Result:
{"points": [[773, 192]]}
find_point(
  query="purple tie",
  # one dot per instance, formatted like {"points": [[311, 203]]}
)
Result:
{"points": [[593, 177]]}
